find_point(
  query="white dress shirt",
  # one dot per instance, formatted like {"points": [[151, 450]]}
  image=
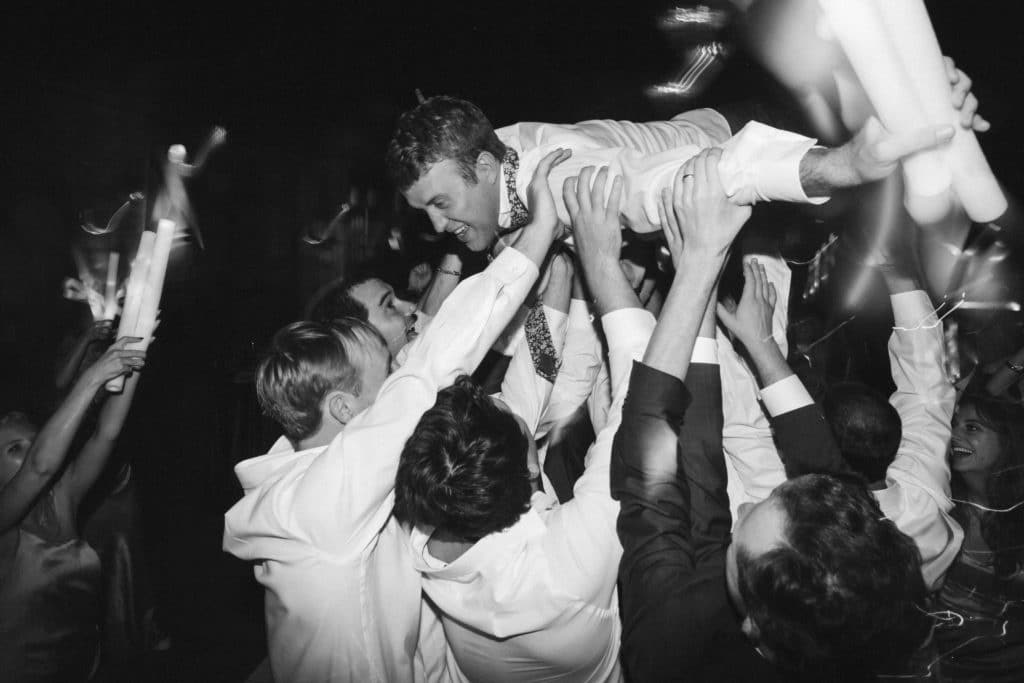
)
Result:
{"points": [[917, 494], [581, 361], [538, 601], [752, 462], [759, 163], [343, 601]]}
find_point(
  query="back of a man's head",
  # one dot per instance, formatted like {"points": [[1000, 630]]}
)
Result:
{"points": [[437, 129], [464, 469], [842, 596], [334, 301], [305, 361], [866, 427]]}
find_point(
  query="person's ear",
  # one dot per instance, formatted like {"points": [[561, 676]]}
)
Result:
{"points": [[488, 168], [340, 406]]}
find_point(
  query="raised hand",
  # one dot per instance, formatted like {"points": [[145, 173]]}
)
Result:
{"points": [[534, 240], [964, 100], [874, 152], [117, 361], [701, 214], [751, 320], [595, 223], [538, 192], [598, 238]]}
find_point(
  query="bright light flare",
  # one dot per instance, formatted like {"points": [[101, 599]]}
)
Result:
{"points": [[888, 219], [697, 15], [991, 306], [703, 63]]}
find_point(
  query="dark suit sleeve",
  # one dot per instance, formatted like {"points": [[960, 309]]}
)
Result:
{"points": [[673, 524], [805, 443]]}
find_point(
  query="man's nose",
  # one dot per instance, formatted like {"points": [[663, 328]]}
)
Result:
{"points": [[438, 220], [405, 307]]}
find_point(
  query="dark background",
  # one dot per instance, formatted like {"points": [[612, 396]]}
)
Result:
{"points": [[94, 93]]}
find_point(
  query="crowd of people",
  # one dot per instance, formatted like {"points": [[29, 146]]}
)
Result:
{"points": [[580, 463]]}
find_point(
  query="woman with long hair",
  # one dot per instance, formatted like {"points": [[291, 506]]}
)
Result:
{"points": [[981, 635]]}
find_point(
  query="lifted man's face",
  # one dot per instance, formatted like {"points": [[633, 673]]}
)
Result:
{"points": [[467, 210], [393, 317]]}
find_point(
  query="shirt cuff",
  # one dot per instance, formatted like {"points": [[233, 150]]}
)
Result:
{"points": [[784, 396], [627, 327], [767, 160], [910, 309], [705, 350]]}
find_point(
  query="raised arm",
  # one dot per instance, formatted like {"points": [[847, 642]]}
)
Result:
{"points": [[917, 490], [874, 152], [585, 526], [802, 437], [87, 467], [48, 453], [674, 520], [99, 331], [446, 278]]}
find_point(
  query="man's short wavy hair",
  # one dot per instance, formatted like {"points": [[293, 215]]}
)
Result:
{"points": [[867, 428], [464, 468], [306, 360], [437, 129], [334, 301], [843, 596]]}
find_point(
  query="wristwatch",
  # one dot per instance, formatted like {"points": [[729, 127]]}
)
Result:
{"points": [[1016, 367]]}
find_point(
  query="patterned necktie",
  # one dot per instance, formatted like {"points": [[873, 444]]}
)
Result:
{"points": [[519, 216]]}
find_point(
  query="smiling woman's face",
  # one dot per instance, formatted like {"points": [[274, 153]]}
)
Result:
{"points": [[975, 445]]}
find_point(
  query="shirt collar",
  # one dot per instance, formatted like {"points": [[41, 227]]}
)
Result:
{"points": [[493, 550]]}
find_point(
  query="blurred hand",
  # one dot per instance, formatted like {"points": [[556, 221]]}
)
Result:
{"points": [[117, 361], [964, 100], [874, 152], [751, 320], [538, 192], [701, 218]]}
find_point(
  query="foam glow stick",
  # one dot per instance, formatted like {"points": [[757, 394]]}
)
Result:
{"points": [[110, 294], [860, 31], [154, 282], [917, 47], [133, 296]]}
